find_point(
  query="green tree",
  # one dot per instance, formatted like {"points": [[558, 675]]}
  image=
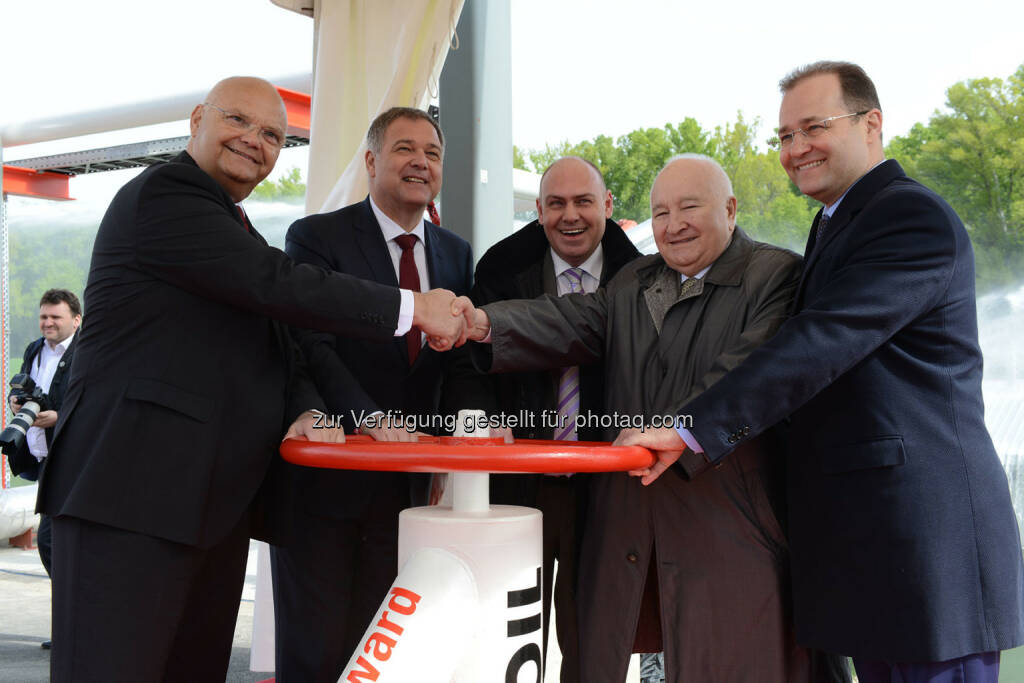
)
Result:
{"points": [[519, 159], [973, 155], [770, 208], [290, 187]]}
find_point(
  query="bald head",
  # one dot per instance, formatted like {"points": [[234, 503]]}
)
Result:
{"points": [[238, 132], [693, 212], [572, 208]]}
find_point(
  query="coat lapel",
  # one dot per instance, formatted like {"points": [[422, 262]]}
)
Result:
{"points": [[859, 196]]}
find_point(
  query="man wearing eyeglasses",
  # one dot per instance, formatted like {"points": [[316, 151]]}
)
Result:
{"points": [[183, 384], [905, 549]]}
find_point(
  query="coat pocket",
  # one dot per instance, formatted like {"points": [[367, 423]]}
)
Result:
{"points": [[169, 396], [887, 451]]}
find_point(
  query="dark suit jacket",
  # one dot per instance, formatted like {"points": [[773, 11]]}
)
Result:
{"points": [[520, 267], [356, 375], [904, 543], [22, 462], [182, 384]]}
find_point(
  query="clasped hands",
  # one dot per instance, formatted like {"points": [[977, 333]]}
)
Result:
{"points": [[449, 320]]}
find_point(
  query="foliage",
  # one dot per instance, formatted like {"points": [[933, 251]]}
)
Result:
{"points": [[289, 188], [973, 155], [770, 208], [40, 261]]}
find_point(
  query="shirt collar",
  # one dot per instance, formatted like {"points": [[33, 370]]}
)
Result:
{"points": [[684, 277], [61, 347], [592, 266], [831, 208], [391, 229]]}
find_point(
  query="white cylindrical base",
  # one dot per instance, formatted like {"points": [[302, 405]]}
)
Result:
{"points": [[425, 624], [503, 549]]}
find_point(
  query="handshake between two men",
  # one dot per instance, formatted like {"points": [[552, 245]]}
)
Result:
{"points": [[448, 320]]}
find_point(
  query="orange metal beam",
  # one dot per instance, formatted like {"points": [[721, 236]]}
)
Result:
{"points": [[41, 184], [297, 105]]}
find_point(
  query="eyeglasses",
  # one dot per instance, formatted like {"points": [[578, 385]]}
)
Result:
{"points": [[813, 130], [239, 122]]}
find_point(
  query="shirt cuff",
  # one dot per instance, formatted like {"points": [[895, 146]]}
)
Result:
{"points": [[405, 312], [689, 439]]}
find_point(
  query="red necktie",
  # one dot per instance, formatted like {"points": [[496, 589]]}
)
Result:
{"points": [[409, 278], [245, 223], [435, 217]]}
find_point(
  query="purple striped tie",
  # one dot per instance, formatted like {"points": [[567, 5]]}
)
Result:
{"points": [[569, 383]]}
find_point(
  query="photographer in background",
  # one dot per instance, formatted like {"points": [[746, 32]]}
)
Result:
{"points": [[47, 361]]}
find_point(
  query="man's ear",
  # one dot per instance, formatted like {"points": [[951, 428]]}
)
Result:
{"points": [[609, 204], [369, 159], [193, 120]]}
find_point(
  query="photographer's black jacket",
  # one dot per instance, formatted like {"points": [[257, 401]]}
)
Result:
{"points": [[23, 463]]}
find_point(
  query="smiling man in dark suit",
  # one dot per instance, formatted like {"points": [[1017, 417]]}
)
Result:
{"points": [[574, 245], [182, 387], [342, 554], [905, 549]]}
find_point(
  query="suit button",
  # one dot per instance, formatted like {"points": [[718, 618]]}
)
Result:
{"points": [[732, 438], [746, 430], [632, 557]]}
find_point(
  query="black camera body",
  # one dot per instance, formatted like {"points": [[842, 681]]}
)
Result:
{"points": [[33, 401]]}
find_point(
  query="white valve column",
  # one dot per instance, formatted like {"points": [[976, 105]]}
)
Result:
{"points": [[502, 546]]}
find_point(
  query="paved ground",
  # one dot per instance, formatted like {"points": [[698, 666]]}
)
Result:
{"points": [[25, 621]]}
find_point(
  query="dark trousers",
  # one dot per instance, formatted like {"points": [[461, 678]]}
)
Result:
{"points": [[139, 609], [560, 500], [329, 582], [977, 668], [44, 538]]}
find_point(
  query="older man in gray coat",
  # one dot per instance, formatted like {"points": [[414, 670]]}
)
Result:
{"points": [[696, 568]]}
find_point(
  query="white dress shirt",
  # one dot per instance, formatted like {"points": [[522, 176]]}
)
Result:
{"points": [[391, 230], [591, 268], [44, 367]]}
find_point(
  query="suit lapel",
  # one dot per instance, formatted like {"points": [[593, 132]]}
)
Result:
{"points": [[371, 243], [859, 196], [437, 260]]}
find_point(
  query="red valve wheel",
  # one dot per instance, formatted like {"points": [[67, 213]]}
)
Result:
{"points": [[466, 454]]}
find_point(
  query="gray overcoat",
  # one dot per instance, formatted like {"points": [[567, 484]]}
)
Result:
{"points": [[717, 544]]}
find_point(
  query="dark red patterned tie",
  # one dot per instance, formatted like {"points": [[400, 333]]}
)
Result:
{"points": [[435, 217], [409, 278], [245, 223]]}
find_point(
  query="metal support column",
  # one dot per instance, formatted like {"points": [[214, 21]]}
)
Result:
{"points": [[5, 314], [476, 117]]}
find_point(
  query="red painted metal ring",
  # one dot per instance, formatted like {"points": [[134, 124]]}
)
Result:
{"points": [[467, 454]]}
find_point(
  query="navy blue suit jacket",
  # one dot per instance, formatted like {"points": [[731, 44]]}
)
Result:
{"points": [[904, 542], [358, 375]]}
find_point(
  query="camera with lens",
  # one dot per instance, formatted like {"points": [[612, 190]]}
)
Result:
{"points": [[33, 401]]}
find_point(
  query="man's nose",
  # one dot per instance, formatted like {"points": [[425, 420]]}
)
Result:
{"points": [[799, 145]]}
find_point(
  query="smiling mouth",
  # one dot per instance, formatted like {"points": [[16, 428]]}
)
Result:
{"points": [[410, 179], [573, 232], [243, 155], [813, 164]]}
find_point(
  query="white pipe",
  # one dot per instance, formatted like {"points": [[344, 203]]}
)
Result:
{"points": [[173, 108], [17, 511], [424, 625], [470, 490]]}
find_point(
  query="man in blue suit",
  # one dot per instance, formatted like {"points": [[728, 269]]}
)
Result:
{"points": [[342, 554], [905, 550]]}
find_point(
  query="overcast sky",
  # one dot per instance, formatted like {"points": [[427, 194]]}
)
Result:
{"points": [[580, 67]]}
